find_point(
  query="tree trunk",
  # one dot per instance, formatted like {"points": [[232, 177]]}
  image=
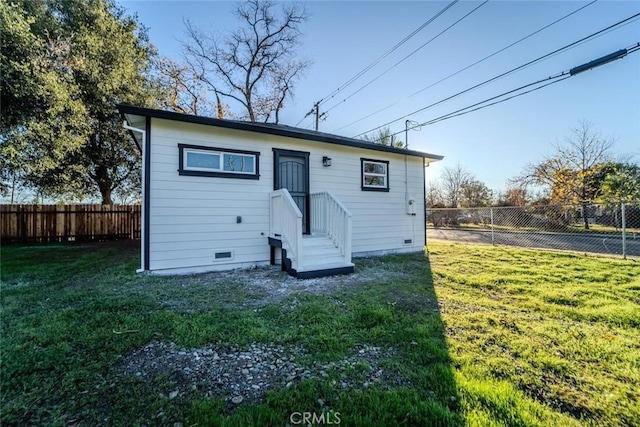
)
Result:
{"points": [[13, 187], [103, 181], [584, 216], [106, 195]]}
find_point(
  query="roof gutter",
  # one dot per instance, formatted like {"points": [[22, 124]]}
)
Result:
{"points": [[285, 131]]}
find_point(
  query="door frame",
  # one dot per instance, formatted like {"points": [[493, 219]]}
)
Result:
{"points": [[277, 152]]}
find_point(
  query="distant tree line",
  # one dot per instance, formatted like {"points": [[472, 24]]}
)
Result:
{"points": [[580, 170]]}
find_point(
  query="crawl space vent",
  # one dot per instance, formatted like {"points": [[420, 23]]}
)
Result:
{"points": [[407, 242], [219, 256]]}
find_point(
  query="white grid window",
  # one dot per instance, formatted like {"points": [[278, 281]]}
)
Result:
{"points": [[375, 175]]}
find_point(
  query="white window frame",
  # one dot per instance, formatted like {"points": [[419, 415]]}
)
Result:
{"points": [[385, 175], [186, 152]]}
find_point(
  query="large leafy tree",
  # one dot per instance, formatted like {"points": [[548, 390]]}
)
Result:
{"points": [[42, 117], [620, 182], [65, 64]]}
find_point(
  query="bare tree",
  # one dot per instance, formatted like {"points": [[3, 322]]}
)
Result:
{"points": [[569, 172], [452, 181], [434, 196], [384, 137], [185, 93], [255, 66]]}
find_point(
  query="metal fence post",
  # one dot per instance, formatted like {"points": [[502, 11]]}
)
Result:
{"points": [[624, 231], [492, 236]]}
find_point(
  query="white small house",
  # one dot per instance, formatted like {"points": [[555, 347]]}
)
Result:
{"points": [[224, 194]]}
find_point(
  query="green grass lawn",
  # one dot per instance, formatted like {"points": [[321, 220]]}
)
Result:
{"points": [[480, 335]]}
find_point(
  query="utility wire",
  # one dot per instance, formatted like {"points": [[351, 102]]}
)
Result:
{"points": [[451, 115], [387, 53], [380, 58], [467, 67], [551, 80], [305, 116], [540, 58], [408, 56]]}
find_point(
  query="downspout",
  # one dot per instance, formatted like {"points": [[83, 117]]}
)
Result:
{"points": [[142, 222], [132, 129], [425, 165]]}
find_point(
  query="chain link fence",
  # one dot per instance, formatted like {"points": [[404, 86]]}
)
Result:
{"points": [[612, 228]]}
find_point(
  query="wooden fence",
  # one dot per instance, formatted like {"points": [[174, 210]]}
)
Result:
{"points": [[61, 223]]}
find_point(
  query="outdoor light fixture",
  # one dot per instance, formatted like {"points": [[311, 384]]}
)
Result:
{"points": [[326, 161]]}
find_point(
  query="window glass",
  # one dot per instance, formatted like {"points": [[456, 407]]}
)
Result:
{"points": [[374, 181], [375, 168], [238, 163], [201, 160], [375, 175], [218, 162]]}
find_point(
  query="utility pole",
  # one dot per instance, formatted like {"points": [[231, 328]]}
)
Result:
{"points": [[316, 110], [414, 126], [406, 133]]}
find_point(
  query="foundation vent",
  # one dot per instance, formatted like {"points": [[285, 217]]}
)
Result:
{"points": [[221, 256]]}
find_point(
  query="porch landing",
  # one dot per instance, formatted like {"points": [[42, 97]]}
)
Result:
{"points": [[321, 258]]}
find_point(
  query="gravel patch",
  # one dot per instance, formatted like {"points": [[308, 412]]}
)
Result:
{"points": [[260, 286], [245, 375]]}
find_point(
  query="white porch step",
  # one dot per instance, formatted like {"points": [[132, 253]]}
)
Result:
{"points": [[314, 262], [317, 241], [309, 256], [319, 246], [325, 266], [320, 253]]}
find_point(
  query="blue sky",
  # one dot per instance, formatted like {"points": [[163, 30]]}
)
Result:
{"points": [[341, 38]]}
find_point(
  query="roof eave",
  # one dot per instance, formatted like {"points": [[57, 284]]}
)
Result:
{"points": [[258, 127]]}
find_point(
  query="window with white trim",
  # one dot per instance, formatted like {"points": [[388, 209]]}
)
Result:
{"points": [[375, 175], [217, 162]]}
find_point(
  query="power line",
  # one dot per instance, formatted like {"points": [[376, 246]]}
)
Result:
{"points": [[451, 115], [380, 58], [551, 80], [408, 56], [387, 53], [305, 116], [540, 58], [467, 67]]}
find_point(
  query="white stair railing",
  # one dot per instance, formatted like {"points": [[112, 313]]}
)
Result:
{"points": [[286, 224], [331, 218]]}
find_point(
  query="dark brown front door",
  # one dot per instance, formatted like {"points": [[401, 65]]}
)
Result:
{"points": [[291, 171]]}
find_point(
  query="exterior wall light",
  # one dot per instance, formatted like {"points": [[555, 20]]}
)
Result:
{"points": [[326, 161]]}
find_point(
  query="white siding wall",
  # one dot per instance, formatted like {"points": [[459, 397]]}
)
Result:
{"points": [[193, 217]]}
